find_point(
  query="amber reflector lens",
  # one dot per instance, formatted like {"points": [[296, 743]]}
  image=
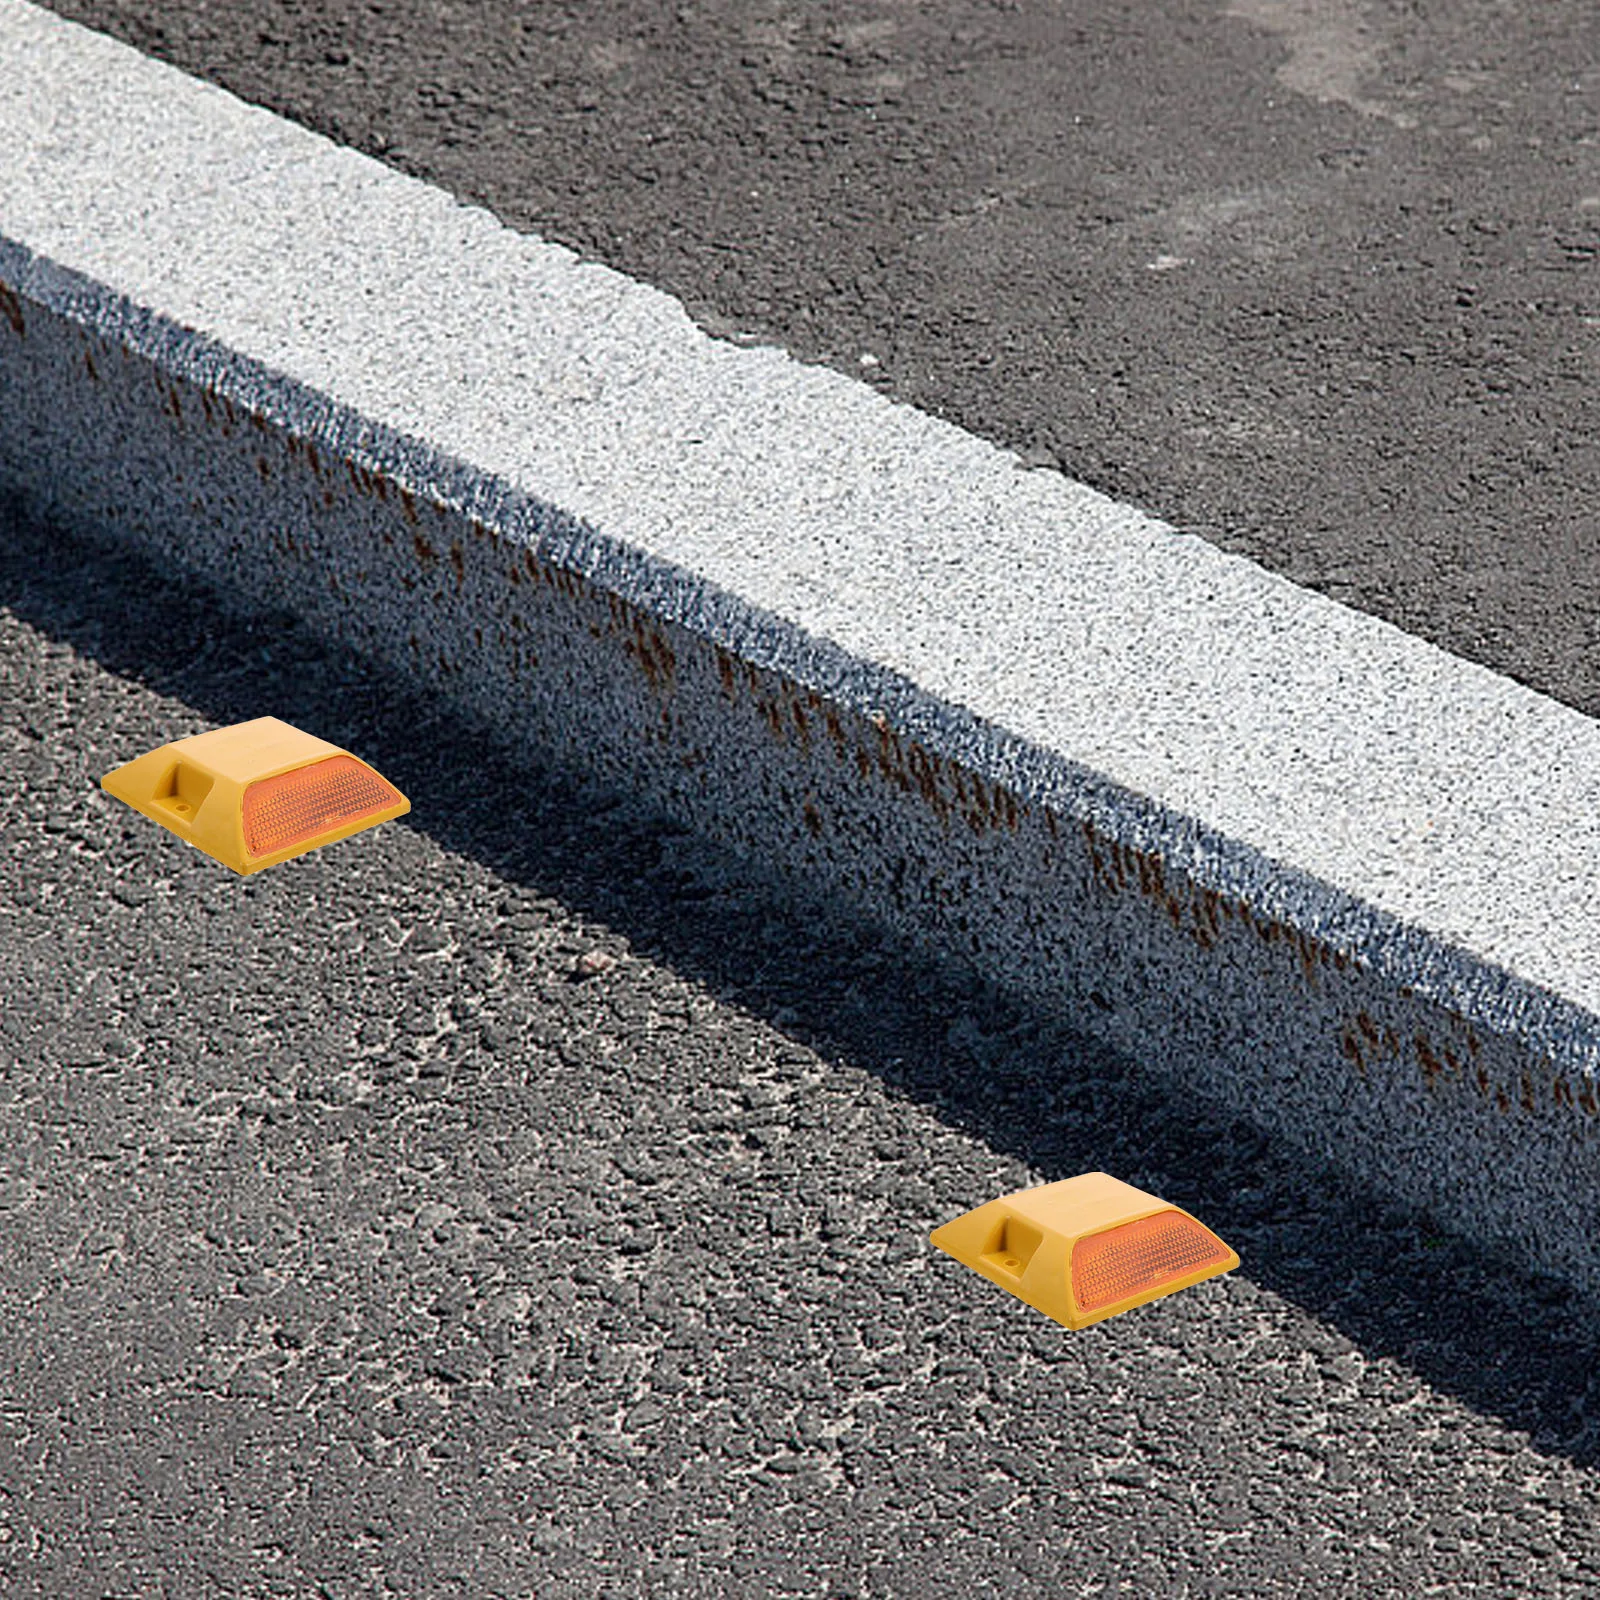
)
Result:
{"points": [[297, 806], [1110, 1266]]}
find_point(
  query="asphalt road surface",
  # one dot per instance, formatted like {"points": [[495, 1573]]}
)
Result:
{"points": [[1317, 279], [517, 1200]]}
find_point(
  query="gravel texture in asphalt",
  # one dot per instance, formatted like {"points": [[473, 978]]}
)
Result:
{"points": [[518, 1200]]}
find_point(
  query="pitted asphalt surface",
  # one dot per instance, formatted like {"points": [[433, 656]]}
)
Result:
{"points": [[517, 1200], [1317, 279]]}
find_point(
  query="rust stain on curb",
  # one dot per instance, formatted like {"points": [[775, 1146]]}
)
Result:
{"points": [[11, 310]]}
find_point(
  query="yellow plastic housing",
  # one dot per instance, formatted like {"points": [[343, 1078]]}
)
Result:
{"points": [[256, 793], [1086, 1248]]}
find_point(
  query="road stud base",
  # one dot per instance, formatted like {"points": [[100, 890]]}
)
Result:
{"points": [[256, 793], [1086, 1248]]}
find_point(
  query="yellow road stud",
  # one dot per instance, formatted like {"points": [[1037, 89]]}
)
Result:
{"points": [[1086, 1248], [256, 793]]}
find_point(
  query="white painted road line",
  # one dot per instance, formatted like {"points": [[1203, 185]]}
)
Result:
{"points": [[1313, 864]]}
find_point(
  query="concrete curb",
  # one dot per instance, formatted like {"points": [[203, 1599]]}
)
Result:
{"points": [[1296, 859]]}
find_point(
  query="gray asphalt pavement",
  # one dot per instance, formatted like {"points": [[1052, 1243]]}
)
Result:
{"points": [[518, 1201], [1317, 279]]}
